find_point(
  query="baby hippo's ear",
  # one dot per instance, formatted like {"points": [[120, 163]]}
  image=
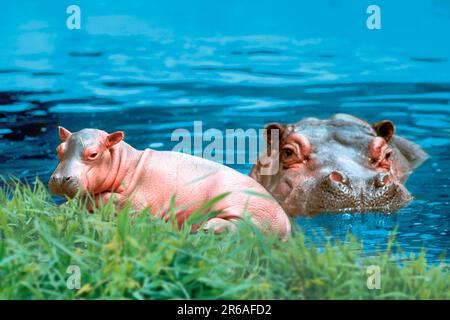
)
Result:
{"points": [[64, 134], [114, 138], [384, 129]]}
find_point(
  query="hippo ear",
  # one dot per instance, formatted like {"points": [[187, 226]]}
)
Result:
{"points": [[114, 138], [412, 152], [384, 129], [64, 134], [270, 130]]}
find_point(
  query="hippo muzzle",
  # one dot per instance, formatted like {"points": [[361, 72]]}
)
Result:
{"points": [[64, 185], [336, 192]]}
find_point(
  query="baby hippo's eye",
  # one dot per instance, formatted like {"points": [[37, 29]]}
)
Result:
{"points": [[93, 155]]}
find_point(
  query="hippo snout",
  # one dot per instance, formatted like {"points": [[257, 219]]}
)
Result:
{"points": [[343, 183], [62, 185], [341, 192]]}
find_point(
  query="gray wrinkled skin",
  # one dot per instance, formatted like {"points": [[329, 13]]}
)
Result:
{"points": [[339, 168]]}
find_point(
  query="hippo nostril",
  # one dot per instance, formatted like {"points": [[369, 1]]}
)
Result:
{"points": [[67, 178], [337, 176], [383, 179]]}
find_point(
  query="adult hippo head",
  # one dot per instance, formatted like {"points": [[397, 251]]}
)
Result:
{"points": [[340, 164]]}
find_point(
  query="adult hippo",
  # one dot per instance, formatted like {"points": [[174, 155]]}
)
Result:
{"points": [[93, 162], [340, 164]]}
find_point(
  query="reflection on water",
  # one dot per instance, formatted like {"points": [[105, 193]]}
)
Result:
{"points": [[150, 83]]}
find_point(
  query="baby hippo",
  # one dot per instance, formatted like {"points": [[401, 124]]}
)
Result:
{"points": [[104, 166]]}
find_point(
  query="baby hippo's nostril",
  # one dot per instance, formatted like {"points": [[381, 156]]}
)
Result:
{"points": [[67, 178], [383, 179], [56, 178]]}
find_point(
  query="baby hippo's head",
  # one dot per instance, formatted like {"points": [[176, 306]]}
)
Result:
{"points": [[84, 162]]}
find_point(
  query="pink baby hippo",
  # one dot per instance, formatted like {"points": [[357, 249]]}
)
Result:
{"points": [[102, 165]]}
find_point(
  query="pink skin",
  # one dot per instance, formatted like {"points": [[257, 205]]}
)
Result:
{"points": [[103, 165]]}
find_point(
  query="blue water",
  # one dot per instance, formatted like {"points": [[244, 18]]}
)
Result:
{"points": [[149, 67]]}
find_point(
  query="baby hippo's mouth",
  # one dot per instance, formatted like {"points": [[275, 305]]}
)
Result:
{"points": [[64, 187]]}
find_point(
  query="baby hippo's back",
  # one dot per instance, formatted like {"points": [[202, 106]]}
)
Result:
{"points": [[195, 180]]}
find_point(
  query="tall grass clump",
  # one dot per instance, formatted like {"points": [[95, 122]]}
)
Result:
{"points": [[123, 255]]}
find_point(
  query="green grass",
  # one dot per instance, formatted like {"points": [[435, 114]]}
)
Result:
{"points": [[126, 256]]}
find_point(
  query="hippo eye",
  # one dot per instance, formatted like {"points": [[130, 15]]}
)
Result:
{"points": [[388, 155], [93, 155], [288, 152]]}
